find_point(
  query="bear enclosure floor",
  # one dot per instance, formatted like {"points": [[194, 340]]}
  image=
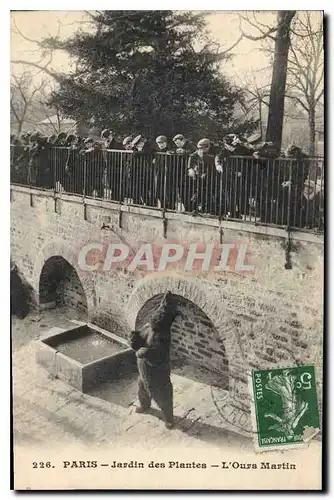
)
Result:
{"points": [[47, 410]]}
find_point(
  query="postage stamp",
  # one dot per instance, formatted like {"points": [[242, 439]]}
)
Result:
{"points": [[285, 408]]}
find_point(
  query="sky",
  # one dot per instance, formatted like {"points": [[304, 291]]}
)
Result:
{"points": [[223, 26], [248, 68]]}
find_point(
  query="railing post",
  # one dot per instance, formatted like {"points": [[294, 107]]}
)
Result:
{"points": [[84, 174], [53, 156], [164, 183]]}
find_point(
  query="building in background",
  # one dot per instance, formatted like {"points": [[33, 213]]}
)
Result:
{"points": [[319, 142], [55, 124]]}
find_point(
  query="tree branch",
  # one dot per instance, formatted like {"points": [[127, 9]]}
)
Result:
{"points": [[264, 34], [317, 99], [39, 67], [295, 98], [222, 54]]}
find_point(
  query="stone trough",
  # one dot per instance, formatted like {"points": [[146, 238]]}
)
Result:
{"points": [[85, 356]]}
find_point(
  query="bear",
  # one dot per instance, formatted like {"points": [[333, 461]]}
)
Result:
{"points": [[19, 294], [152, 346]]}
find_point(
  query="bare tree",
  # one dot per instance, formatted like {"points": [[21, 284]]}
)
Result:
{"points": [[295, 44], [50, 115], [256, 98], [306, 70], [22, 98], [279, 33]]}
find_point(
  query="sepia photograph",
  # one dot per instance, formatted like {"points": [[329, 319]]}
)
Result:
{"points": [[167, 217]]}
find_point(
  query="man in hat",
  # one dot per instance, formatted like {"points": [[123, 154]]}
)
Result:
{"points": [[38, 158], [60, 159], [254, 141], [61, 139], [18, 165], [295, 175], [235, 176], [127, 141], [74, 165], [163, 146], [183, 145], [113, 162], [143, 145], [312, 206], [128, 188], [166, 174], [143, 170], [21, 158], [265, 186], [91, 152], [110, 141], [200, 187]]}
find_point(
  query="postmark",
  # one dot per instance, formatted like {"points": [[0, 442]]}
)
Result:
{"points": [[284, 407]]}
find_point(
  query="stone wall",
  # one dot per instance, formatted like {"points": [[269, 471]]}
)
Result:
{"points": [[194, 336], [60, 285], [270, 317]]}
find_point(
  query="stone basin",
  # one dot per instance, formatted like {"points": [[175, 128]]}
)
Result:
{"points": [[85, 356]]}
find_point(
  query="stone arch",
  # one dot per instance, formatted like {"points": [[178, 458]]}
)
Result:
{"points": [[207, 300], [60, 285], [50, 250], [62, 250], [195, 339], [189, 288]]}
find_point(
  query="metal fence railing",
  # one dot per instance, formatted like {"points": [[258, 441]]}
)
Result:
{"points": [[279, 192]]}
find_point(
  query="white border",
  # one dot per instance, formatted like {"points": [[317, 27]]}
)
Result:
{"points": [[4, 183]]}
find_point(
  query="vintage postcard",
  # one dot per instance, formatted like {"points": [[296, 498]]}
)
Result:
{"points": [[167, 249]]}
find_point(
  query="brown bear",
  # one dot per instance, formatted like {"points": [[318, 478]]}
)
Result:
{"points": [[152, 346]]}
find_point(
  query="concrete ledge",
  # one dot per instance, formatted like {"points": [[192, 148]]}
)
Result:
{"points": [[83, 376], [108, 368], [247, 227]]}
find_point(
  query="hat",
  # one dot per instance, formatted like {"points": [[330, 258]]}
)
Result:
{"points": [[230, 138], [161, 138], [88, 140], [33, 137], [203, 143], [52, 138], [254, 139], [178, 137], [127, 139], [292, 149], [61, 135], [71, 137], [136, 140], [105, 133]]}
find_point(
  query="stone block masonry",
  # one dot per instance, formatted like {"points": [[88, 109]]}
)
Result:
{"points": [[194, 336], [231, 322]]}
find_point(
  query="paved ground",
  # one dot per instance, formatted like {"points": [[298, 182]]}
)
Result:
{"points": [[47, 410]]}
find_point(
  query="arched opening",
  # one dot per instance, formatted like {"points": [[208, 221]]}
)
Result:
{"points": [[197, 351], [60, 287]]}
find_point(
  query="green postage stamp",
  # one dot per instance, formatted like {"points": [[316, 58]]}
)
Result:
{"points": [[285, 409]]}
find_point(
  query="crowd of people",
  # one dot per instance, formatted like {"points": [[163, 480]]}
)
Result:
{"points": [[237, 178]]}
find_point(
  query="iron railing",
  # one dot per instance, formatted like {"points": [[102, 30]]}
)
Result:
{"points": [[280, 192]]}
